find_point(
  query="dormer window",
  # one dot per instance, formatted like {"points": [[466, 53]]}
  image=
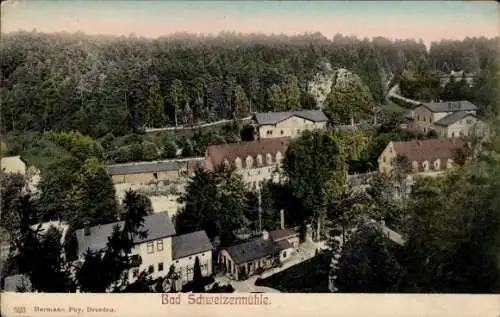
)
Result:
{"points": [[425, 166], [437, 164], [259, 160], [249, 162], [278, 157], [269, 158], [226, 163], [237, 163]]}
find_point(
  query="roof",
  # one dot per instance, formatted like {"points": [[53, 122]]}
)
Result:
{"points": [[61, 226], [283, 245], [392, 235], [428, 150], [158, 225], [281, 234], [252, 250], [453, 118], [190, 244], [152, 167], [230, 151], [450, 106], [270, 118]]}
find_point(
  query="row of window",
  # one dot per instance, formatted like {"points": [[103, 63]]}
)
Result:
{"points": [[429, 119], [151, 269], [182, 270], [151, 246], [270, 132], [249, 161]]}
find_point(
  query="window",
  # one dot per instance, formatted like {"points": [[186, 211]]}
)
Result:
{"points": [[177, 261], [282, 132], [203, 254], [159, 245], [190, 257], [151, 269], [160, 267], [151, 248], [155, 175], [284, 254], [135, 272], [383, 159], [469, 121]]}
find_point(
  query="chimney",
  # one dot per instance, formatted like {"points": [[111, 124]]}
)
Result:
{"points": [[86, 228], [265, 235], [282, 218]]}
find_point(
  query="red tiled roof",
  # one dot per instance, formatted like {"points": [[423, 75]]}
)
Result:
{"points": [[276, 235], [230, 151], [428, 150]]}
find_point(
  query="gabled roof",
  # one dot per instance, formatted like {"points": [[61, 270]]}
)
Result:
{"points": [[158, 225], [450, 106], [453, 118], [280, 234], [190, 244], [428, 150], [152, 167], [252, 250], [230, 151], [270, 118]]}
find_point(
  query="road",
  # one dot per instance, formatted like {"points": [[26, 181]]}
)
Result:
{"points": [[195, 127]]}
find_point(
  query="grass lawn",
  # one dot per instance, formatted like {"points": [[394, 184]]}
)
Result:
{"points": [[310, 276], [392, 107]]}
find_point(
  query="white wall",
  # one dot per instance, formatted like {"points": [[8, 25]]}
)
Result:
{"points": [[184, 266], [154, 258], [258, 175], [286, 254], [291, 127]]}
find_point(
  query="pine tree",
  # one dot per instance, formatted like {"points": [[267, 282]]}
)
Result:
{"points": [[198, 286]]}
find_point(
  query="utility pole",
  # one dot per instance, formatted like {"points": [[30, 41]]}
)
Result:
{"points": [[260, 208]]}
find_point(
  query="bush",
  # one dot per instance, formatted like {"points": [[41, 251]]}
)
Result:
{"points": [[221, 289]]}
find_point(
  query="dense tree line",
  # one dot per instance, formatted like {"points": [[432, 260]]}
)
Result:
{"points": [[122, 84], [451, 228]]}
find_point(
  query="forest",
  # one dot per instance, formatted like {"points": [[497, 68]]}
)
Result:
{"points": [[112, 88], [99, 85]]}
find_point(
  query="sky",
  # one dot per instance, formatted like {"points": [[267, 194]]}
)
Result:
{"points": [[426, 20]]}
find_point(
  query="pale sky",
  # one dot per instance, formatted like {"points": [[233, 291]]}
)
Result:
{"points": [[426, 20]]}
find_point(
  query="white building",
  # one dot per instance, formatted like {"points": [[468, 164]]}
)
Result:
{"points": [[288, 124], [13, 164], [158, 251], [449, 119], [256, 161]]}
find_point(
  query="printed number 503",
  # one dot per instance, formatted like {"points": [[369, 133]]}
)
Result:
{"points": [[20, 309]]}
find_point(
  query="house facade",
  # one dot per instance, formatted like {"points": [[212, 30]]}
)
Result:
{"points": [[158, 251], [288, 124], [147, 172], [420, 157], [461, 124], [256, 161], [448, 119], [255, 256]]}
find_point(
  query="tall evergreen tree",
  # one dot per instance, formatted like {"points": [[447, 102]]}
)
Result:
{"points": [[198, 286]]}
